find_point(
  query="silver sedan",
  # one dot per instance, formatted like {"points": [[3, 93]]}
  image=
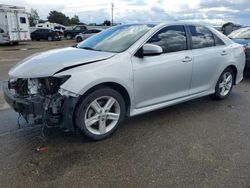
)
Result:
{"points": [[124, 71], [86, 34]]}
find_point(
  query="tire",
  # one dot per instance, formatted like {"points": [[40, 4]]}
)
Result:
{"points": [[68, 36], [224, 85], [78, 39], [50, 38], [95, 118]]}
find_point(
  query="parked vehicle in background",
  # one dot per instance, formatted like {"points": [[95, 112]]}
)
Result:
{"points": [[46, 34], [53, 26], [86, 34], [124, 71], [14, 24], [229, 27], [70, 34], [242, 36]]}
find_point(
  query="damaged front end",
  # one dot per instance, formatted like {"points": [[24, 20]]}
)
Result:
{"points": [[41, 101]]}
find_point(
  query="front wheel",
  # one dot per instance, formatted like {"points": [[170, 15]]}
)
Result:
{"points": [[68, 36], [100, 113], [224, 85]]}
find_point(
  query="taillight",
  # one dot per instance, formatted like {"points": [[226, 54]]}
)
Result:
{"points": [[245, 48]]}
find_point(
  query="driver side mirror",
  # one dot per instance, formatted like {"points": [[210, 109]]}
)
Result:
{"points": [[149, 50]]}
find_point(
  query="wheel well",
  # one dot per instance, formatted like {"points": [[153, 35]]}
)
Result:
{"points": [[119, 88], [235, 72]]}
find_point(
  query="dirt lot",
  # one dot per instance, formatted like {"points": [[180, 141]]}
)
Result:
{"points": [[201, 143]]}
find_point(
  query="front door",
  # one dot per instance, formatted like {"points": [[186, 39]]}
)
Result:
{"points": [[164, 77]]}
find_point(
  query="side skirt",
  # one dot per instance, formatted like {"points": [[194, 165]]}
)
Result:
{"points": [[134, 112]]}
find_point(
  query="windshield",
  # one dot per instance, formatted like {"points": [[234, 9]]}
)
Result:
{"points": [[243, 33], [115, 39]]}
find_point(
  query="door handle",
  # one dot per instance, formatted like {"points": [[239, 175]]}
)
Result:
{"points": [[187, 59], [223, 53]]}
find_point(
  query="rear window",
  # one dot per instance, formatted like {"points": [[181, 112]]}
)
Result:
{"points": [[22, 20], [201, 37]]}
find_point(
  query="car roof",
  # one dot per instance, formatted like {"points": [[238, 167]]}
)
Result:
{"points": [[170, 23]]}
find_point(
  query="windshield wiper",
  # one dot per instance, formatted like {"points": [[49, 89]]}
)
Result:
{"points": [[89, 48]]}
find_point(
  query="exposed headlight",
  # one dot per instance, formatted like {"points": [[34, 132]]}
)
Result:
{"points": [[51, 85], [67, 93]]}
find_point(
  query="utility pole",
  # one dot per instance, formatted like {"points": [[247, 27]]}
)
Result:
{"points": [[112, 10]]}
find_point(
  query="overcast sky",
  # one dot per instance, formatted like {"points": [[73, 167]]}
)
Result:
{"points": [[126, 11]]}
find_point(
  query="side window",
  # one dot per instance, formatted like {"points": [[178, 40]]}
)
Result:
{"points": [[96, 31], [82, 27], [218, 41], [201, 37], [22, 20], [1, 30], [171, 39], [87, 32], [77, 28]]}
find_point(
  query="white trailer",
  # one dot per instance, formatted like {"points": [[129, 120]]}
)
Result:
{"points": [[49, 25], [14, 24]]}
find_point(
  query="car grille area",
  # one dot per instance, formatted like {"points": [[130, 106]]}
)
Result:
{"points": [[19, 87]]}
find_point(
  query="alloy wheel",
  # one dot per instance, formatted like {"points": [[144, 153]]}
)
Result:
{"points": [[102, 115], [226, 83]]}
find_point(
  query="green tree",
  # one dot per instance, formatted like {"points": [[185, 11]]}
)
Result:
{"points": [[107, 23], [58, 17], [33, 17], [75, 20]]}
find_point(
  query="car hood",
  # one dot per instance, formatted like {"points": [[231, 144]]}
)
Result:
{"points": [[48, 63], [242, 41]]}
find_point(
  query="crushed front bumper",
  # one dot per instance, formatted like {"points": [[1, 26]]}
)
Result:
{"points": [[23, 106], [34, 107]]}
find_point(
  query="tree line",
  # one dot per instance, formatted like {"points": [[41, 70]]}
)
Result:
{"points": [[57, 17]]}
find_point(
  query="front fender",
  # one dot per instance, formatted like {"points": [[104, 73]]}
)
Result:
{"points": [[88, 76]]}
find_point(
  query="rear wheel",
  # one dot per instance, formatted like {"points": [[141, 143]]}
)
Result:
{"points": [[78, 39], [224, 85], [50, 38], [100, 113]]}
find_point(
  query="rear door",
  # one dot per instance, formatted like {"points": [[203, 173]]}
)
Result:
{"points": [[44, 33], [23, 26], [1, 35], [209, 56], [13, 26]]}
